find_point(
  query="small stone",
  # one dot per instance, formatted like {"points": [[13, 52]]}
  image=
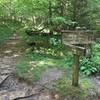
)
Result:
{"points": [[56, 96]]}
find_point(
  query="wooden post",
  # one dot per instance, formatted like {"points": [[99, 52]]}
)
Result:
{"points": [[77, 52], [75, 75]]}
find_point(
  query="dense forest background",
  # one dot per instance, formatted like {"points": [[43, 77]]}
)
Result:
{"points": [[52, 14]]}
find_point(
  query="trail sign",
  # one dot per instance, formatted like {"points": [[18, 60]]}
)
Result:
{"points": [[81, 51], [77, 37]]}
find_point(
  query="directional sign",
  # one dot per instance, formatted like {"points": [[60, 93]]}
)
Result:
{"points": [[77, 37]]}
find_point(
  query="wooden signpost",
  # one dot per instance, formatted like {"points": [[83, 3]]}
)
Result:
{"points": [[69, 38], [77, 52]]}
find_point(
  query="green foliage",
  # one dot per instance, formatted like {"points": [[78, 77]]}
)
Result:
{"points": [[55, 42], [35, 13], [96, 55], [92, 65], [5, 33], [87, 66], [95, 14], [59, 21], [7, 27]]}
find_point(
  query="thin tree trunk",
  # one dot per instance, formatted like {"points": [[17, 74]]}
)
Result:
{"points": [[62, 7], [50, 16]]}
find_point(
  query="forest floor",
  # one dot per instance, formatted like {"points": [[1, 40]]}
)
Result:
{"points": [[13, 88]]}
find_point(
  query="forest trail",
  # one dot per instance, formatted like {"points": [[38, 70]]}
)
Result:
{"points": [[11, 87]]}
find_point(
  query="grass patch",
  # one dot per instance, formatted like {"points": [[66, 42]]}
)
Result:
{"points": [[64, 89], [32, 65]]}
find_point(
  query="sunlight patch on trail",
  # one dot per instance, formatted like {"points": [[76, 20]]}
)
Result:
{"points": [[8, 51]]}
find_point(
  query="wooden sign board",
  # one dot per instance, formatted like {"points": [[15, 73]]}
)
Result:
{"points": [[81, 51], [77, 37]]}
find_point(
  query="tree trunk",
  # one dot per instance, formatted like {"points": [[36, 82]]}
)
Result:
{"points": [[62, 8], [50, 16]]}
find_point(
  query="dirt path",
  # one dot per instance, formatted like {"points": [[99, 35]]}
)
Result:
{"points": [[96, 82], [11, 88]]}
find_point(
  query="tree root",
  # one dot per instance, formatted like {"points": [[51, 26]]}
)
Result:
{"points": [[38, 93], [6, 78], [25, 97]]}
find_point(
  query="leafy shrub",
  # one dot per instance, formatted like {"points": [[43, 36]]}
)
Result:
{"points": [[54, 41], [92, 65], [87, 66], [59, 21], [96, 54]]}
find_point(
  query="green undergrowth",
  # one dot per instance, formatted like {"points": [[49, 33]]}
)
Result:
{"points": [[64, 89], [7, 28], [5, 33], [96, 55], [31, 65]]}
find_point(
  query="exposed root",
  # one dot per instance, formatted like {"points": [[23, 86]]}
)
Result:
{"points": [[38, 93], [25, 97], [6, 78]]}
